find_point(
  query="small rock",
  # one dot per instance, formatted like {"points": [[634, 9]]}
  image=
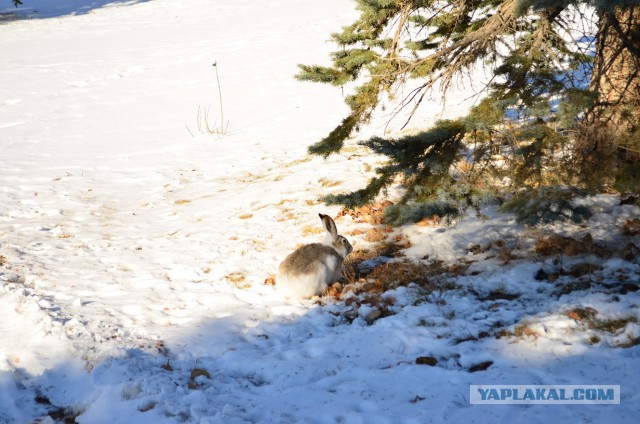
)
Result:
{"points": [[426, 360], [627, 288], [541, 275], [373, 315], [631, 227], [146, 406], [631, 252], [482, 366]]}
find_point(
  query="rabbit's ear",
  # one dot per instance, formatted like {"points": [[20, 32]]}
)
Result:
{"points": [[329, 225]]}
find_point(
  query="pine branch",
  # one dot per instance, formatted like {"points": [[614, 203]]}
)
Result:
{"points": [[322, 74], [334, 141]]}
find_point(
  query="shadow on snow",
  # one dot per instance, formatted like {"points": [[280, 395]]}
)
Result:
{"points": [[43, 9], [311, 368]]}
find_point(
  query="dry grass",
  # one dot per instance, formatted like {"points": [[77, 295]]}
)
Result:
{"points": [[287, 217], [238, 279], [329, 183], [377, 234], [270, 280], [396, 274], [525, 330], [351, 266], [568, 246], [432, 221], [369, 286], [311, 230], [588, 321], [588, 317], [235, 277], [370, 214], [298, 162]]}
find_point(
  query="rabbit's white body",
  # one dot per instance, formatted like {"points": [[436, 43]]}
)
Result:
{"points": [[305, 285], [309, 270]]}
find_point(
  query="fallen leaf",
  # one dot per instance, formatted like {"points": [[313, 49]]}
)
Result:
{"points": [[426, 360], [574, 315], [197, 372]]}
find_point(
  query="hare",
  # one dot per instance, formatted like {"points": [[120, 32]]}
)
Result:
{"points": [[308, 270]]}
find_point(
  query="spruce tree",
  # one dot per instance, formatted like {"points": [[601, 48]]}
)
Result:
{"points": [[563, 100]]}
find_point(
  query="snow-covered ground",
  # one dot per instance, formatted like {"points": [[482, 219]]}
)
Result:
{"points": [[135, 245]]}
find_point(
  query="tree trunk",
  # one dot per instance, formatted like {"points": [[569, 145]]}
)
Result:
{"points": [[616, 80]]}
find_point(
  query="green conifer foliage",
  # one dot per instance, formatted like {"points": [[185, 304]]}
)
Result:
{"points": [[521, 136], [423, 160], [546, 205]]}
